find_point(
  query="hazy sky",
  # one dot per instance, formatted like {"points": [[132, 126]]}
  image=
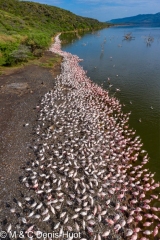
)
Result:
{"points": [[104, 10]]}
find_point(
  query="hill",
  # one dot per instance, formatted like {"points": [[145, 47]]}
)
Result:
{"points": [[142, 19], [26, 28]]}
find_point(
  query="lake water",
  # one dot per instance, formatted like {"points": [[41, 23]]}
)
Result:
{"points": [[133, 66]]}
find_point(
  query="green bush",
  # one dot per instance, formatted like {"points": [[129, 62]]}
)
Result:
{"points": [[7, 48], [20, 55], [2, 59], [38, 41], [38, 53]]}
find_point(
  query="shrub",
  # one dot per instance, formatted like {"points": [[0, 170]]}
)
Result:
{"points": [[21, 54], [38, 41], [2, 59], [38, 52], [7, 48]]}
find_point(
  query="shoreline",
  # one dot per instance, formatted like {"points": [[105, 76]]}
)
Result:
{"points": [[11, 69], [147, 184], [94, 144]]}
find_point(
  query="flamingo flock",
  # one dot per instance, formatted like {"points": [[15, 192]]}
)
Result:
{"points": [[89, 172]]}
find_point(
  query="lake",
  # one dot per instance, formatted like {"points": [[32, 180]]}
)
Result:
{"points": [[133, 67]]}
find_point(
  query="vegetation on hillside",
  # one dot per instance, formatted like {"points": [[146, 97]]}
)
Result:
{"points": [[26, 28]]}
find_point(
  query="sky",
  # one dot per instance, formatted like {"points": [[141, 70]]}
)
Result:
{"points": [[105, 10]]}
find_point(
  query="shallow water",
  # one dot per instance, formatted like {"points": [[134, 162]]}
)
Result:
{"points": [[134, 68]]}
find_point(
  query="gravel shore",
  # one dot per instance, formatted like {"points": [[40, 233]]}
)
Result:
{"points": [[20, 92]]}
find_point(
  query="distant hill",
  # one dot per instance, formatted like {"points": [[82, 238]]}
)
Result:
{"points": [[141, 19], [26, 28]]}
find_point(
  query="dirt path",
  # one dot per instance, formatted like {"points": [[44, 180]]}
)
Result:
{"points": [[20, 93]]}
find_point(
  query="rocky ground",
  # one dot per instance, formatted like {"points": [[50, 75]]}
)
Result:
{"points": [[20, 92]]}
